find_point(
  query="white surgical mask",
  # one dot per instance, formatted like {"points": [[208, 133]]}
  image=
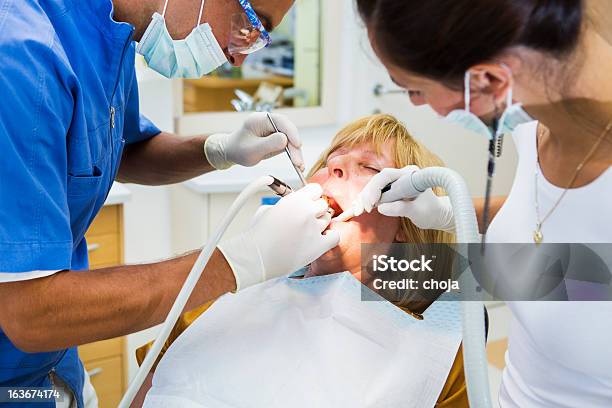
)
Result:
{"points": [[195, 56], [513, 116]]}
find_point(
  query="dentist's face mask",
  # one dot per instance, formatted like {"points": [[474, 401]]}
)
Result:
{"points": [[513, 116], [195, 56]]}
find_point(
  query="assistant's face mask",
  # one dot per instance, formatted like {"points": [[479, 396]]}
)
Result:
{"points": [[197, 55], [513, 116]]}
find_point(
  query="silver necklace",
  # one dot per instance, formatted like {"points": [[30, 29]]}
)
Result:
{"points": [[538, 237]]}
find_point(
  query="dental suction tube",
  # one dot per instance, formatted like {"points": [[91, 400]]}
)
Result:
{"points": [[192, 279], [402, 189], [466, 226]]}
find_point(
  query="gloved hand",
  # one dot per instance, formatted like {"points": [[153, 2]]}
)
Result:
{"points": [[426, 211], [281, 238], [254, 142]]}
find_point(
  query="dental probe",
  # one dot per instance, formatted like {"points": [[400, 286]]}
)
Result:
{"points": [[299, 173]]}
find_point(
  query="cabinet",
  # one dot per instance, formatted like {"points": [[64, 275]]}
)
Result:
{"points": [[208, 209], [105, 361], [211, 94], [105, 238]]}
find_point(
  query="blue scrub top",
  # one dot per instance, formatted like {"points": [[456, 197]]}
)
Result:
{"points": [[69, 105]]}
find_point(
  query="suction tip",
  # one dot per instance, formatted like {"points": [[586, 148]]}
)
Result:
{"points": [[345, 216], [279, 187]]}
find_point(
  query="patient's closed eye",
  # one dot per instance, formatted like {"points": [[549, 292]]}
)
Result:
{"points": [[372, 168]]}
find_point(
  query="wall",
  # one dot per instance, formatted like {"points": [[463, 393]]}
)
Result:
{"points": [[148, 223]]}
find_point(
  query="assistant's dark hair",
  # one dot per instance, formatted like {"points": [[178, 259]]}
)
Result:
{"points": [[441, 39]]}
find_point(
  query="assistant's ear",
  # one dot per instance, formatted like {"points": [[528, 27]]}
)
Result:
{"points": [[492, 80]]}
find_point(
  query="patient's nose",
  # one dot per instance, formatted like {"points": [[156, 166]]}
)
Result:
{"points": [[338, 169]]}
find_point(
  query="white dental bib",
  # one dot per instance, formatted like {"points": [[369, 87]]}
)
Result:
{"points": [[308, 343]]}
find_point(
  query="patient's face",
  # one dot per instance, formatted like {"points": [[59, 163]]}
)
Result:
{"points": [[348, 170]]}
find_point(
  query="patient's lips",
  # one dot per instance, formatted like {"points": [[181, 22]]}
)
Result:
{"points": [[333, 204]]}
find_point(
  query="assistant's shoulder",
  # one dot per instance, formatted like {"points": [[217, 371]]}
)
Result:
{"points": [[524, 138]]}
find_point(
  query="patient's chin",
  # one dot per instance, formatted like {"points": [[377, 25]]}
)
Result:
{"points": [[335, 260], [348, 231], [368, 227]]}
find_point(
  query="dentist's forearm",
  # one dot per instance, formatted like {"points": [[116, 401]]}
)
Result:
{"points": [[71, 308], [164, 159]]}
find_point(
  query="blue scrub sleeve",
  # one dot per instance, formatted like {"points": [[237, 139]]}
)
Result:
{"points": [[35, 116], [137, 127], [147, 128]]}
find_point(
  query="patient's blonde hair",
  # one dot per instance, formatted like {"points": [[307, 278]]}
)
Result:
{"points": [[384, 130]]}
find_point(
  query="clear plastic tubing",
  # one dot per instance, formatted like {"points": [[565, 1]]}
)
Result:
{"points": [[189, 285], [466, 227]]}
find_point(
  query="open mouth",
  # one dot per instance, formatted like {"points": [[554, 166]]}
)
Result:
{"points": [[333, 204]]}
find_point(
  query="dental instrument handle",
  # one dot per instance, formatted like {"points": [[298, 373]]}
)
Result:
{"points": [[299, 173], [401, 189], [281, 188], [188, 287]]}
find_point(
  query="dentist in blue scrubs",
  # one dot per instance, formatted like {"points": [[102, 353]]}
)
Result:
{"points": [[70, 125]]}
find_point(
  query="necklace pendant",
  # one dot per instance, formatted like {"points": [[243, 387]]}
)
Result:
{"points": [[538, 237]]}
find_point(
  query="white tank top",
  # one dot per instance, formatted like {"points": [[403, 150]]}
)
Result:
{"points": [[559, 353]]}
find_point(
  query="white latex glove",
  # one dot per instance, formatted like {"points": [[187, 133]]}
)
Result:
{"points": [[254, 142], [281, 238], [426, 211], [369, 197]]}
